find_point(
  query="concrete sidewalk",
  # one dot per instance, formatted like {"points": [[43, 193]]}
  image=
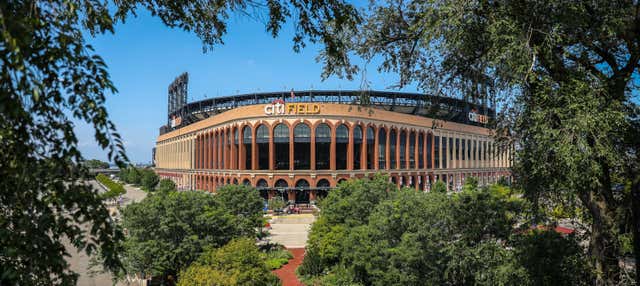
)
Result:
{"points": [[291, 231]]}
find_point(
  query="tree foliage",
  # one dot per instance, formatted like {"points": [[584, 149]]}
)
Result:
{"points": [[416, 238], [168, 230], [166, 186], [566, 73], [115, 189], [50, 76], [148, 179], [96, 164], [240, 262]]}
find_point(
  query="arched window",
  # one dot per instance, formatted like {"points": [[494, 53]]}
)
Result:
{"points": [[262, 144], [342, 143], [340, 181], [382, 149], [357, 148], [281, 184], [322, 188], [246, 182], [281, 144], [371, 155], [403, 149], [323, 146], [392, 148], [302, 147], [262, 184], [421, 151], [236, 158], [302, 191], [235, 181], [412, 150], [246, 142]]}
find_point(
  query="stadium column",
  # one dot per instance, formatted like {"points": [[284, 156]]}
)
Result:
{"points": [[376, 160], [332, 150], [313, 147], [387, 151]]}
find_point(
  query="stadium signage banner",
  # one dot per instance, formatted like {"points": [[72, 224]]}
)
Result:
{"points": [[278, 107], [476, 117]]}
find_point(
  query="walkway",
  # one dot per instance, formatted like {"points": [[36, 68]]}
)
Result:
{"points": [[291, 231], [287, 273]]}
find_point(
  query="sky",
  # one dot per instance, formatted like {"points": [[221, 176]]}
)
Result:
{"points": [[144, 56]]}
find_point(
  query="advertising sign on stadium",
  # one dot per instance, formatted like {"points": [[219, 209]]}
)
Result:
{"points": [[278, 107], [176, 121], [474, 116]]}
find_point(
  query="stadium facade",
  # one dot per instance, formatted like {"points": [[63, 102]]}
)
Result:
{"points": [[301, 145]]}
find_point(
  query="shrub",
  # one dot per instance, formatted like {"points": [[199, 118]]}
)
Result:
{"points": [[115, 189]]}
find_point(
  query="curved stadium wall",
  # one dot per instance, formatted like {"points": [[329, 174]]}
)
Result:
{"points": [[300, 150]]}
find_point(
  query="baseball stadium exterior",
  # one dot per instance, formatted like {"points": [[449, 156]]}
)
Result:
{"points": [[300, 146]]}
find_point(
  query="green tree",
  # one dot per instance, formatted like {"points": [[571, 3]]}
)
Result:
{"points": [[167, 231], [244, 202], [239, 262], [439, 187], [49, 75], [566, 72], [149, 179], [166, 185], [96, 164], [470, 184], [133, 176]]}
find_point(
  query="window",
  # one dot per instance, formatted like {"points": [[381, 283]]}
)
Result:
{"points": [[463, 147], [392, 147], [281, 144], [436, 152], [246, 141], [382, 148], [357, 147], [444, 152], [323, 146], [412, 150], [371, 155], [262, 144], [342, 143], [457, 148], [429, 149], [302, 147], [403, 149], [421, 151]]}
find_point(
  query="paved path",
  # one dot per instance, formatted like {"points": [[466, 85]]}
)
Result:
{"points": [[291, 231], [287, 273], [79, 261]]}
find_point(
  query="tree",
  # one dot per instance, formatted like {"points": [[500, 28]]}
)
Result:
{"points": [[49, 74], [239, 262], [96, 164], [167, 231], [166, 186], [565, 72], [416, 238], [244, 202], [149, 179], [439, 187]]}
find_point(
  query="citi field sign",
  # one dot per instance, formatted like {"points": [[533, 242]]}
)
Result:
{"points": [[476, 117], [279, 107]]}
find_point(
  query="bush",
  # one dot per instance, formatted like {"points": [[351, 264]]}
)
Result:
{"points": [[115, 189], [439, 187], [166, 185], [240, 262], [276, 258]]}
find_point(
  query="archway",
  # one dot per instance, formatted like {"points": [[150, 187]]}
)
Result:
{"points": [[342, 144], [262, 144], [323, 146], [302, 192], [263, 187], [281, 144], [302, 147], [322, 188], [282, 187]]}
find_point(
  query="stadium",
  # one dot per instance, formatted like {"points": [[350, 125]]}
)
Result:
{"points": [[301, 144]]}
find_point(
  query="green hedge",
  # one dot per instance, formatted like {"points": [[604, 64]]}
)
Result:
{"points": [[115, 189]]}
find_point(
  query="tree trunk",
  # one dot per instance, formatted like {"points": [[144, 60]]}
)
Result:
{"points": [[603, 245], [635, 216]]}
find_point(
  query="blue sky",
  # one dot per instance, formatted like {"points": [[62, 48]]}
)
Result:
{"points": [[144, 56]]}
